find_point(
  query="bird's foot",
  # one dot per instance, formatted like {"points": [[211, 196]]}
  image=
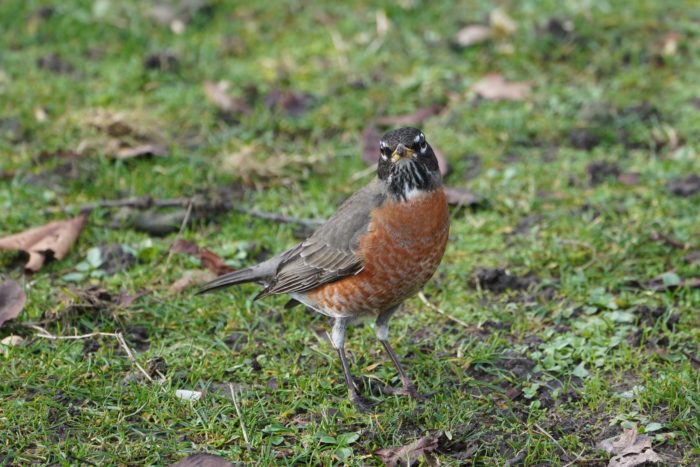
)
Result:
{"points": [[362, 404], [407, 390]]}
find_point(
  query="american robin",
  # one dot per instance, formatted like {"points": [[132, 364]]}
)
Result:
{"points": [[379, 248]]}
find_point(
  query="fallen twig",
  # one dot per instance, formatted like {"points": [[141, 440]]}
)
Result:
{"points": [[185, 220], [424, 299], [147, 202], [542, 430], [118, 335], [240, 416], [280, 217]]}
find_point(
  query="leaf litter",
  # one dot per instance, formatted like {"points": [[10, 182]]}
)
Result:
{"points": [[12, 300], [52, 240], [629, 449], [409, 454], [494, 86]]}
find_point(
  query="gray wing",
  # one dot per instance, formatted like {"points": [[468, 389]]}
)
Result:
{"points": [[329, 253]]}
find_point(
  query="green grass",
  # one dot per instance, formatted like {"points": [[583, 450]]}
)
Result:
{"points": [[578, 344]]}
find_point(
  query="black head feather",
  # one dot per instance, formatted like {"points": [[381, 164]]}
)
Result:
{"points": [[420, 171]]}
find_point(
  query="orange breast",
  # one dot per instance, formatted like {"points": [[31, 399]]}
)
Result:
{"points": [[401, 251]]}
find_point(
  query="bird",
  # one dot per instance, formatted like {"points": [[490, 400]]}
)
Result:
{"points": [[380, 247]]}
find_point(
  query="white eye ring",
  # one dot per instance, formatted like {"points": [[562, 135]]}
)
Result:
{"points": [[384, 156], [423, 147]]}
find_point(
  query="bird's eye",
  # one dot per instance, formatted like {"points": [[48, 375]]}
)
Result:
{"points": [[384, 150], [420, 143]]}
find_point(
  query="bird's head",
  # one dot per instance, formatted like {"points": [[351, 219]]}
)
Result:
{"points": [[407, 163]]}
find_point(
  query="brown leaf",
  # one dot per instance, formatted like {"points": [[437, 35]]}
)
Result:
{"points": [[12, 300], [294, 104], [217, 94], [214, 263], [126, 300], [472, 35], [629, 449], [629, 178], [410, 453], [50, 240], [495, 87], [149, 149], [188, 247], [203, 460], [190, 278], [412, 119], [460, 197]]}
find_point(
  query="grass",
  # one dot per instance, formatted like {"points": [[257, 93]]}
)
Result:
{"points": [[542, 373]]}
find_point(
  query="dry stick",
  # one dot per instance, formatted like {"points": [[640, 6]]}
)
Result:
{"points": [[185, 220], [118, 335], [240, 416], [146, 202], [424, 299], [552, 438], [280, 218]]}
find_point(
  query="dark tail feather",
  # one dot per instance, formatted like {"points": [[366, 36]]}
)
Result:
{"points": [[261, 273], [232, 278]]}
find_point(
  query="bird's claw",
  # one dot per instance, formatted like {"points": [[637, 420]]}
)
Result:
{"points": [[362, 404]]}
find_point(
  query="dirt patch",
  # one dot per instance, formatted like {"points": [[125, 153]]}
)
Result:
{"points": [[161, 61], [684, 186], [583, 138], [497, 280], [602, 171]]}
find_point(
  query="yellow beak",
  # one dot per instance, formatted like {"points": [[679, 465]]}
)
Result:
{"points": [[400, 152]]}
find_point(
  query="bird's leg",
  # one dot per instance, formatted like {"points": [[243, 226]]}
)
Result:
{"points": [[381, 328], [338, 340]]}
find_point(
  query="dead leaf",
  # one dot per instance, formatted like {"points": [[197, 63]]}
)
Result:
{"points": [[629, 449], [494, 86], [188, 247], [472, 35], [629, 178], [668, 46], [126, 300], [410, 453], [461, 197], [214, 263], [189, 279], [292, 103], [203, 460], [50, 240], [10, 341], [12, 300], [501, 23], [217, 94], [413, 119], [149, 149], [250, 168]]}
